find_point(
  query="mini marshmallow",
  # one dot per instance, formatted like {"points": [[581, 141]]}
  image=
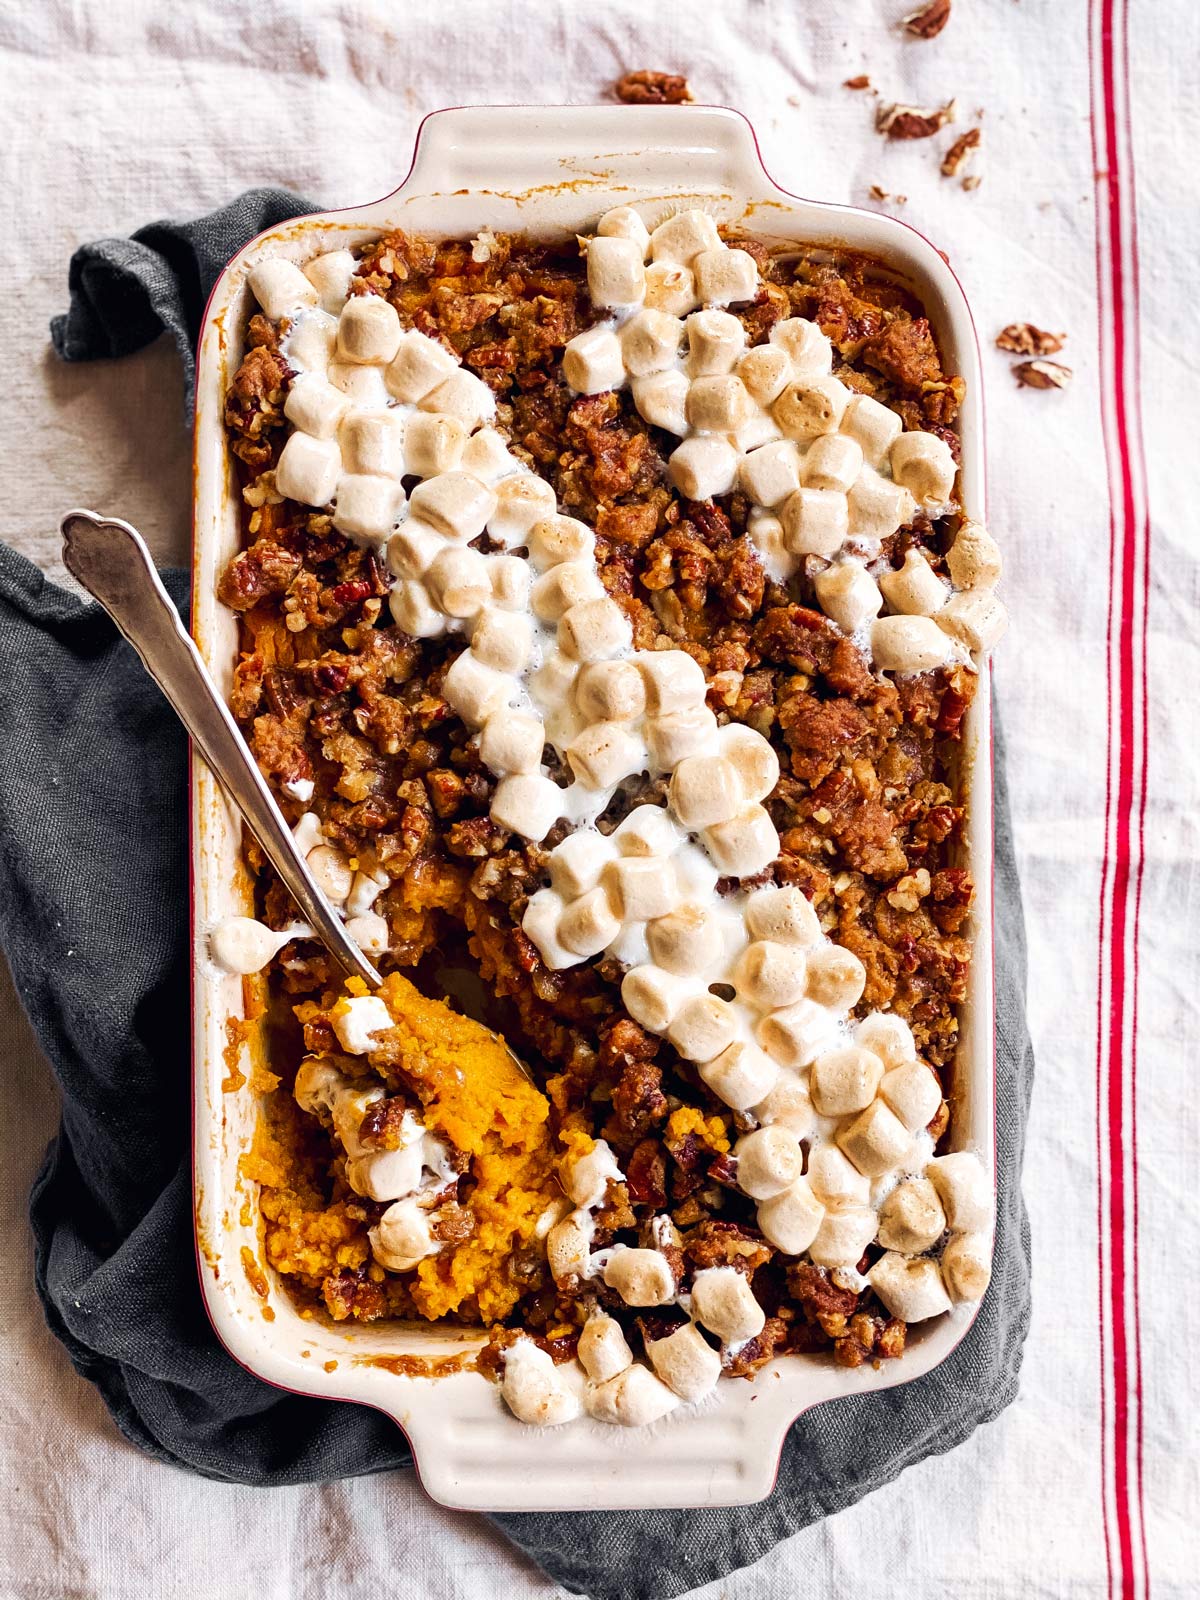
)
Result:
{"points": [[652, 996], [877, 506], [724, 1302], [751, 757], [849, 594], [462, 395], [744, 845], [604, 753], [433, 444], [758, 429], [908, 644], [844, 1080], [553, 684], [791, 1219], [783, 915], [769, 1161], [682, 237], [686, 1362], [670, 288], [967, 1266], [610, 691], [419, 365], [704, 790], [588, 924], [922, 464], [332, 872], [640, 1277], [716, 342], [650, 343], [687, 941], [647, 831], [815, 522], [368, 331], [703, 1027], [873, 427], [832, 462], [588, 1177], [367, 506], [364, 891], [512, 741], [413, 610], [623, 222], [766, 371], [593, 362], [725, 277], [577, 863], [641, 887], [603, 1349], [564, 586], [913, 1093], [243, 945], [528, 804], [807, 348], [771, 473], [533, 1389], [836, 977], [964, 1189], [281, 288], [473, 690], [633, 1399], [770, 976], [485, 456], [315, 406], [889, 1036], [808, 408], [351, 1105], [674, 680], [911, 1219], [594, 629], [330, 276], [511, 580], [977, 619], [915, 589], [358, 1022], [788, 1106], [795, 1037], [843, 1236], [973, 559], [498, 639], [703, 467], [454, 503], [910, 1290], [555, 539], [311, 342], [317, 1084], [876, 1141], [835, 1180], [370, 933], [521, 501], [741, 1076], [373, 442], [569, 1246], [679, 734], [717, 404], [616, 271], [662, 400], [308, 469], [363, 386], [386, 1174], [402, 1237]]}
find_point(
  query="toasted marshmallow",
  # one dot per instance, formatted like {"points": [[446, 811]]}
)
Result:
{"points": [[844, 1080], [498, 639], [652, 997], [315, 406], [908, 644], [358, 1022], [640, 1277], [771, 473], [332, 871], [724, 1302], [911, 1219], [486, 457], [889, 1036], [461, 395], [577, 863], [770, 976], [788, 1105], [769, 1160], [647, 831], [911, 1290], [308, 469], [641, 887], [703, 467], [528, 804], [678, 734], [922, 464], [418, 365], [716, 342], [569, 1246], [623, 222], [977, 619], [964, 1189], [370, 933], [683, 236], [610, 691], [876, 1141], [455, 503], [635, 1398], [650, 343], [844, 1234], [670, 288], [796, 1036], [512, 742], [540, 923], [588, 924], [791, 1219], [603, 1348], [687, 941], [741, 1076], [815, 522], [311, 343], [604, 753], [594, 629], [703, 1027], [913, 1093], [661, 399], [718, 404], [593, 361], [534, 1390], [433, 444], [808, 408], [686, 1362], [744, 845], [835, 1180], [782, 915], [373, 441], [766, 371], [366, 507], [243, 945], [616, 271], [873, 427], [752, 758], [317, 1084], [725, 277], [362, 385], [330, 275], [555, 539], [832, 462], [589, 1176], [674, 680], [916, 590], [973, 559], [414, 611], [564, 586], [849, 594], [877, 506], [402, 1237], [368, 331], [521, 501], [475, 691], [807, 348], [704, 790], [511, 581], [967, 1266], [836, 977], [281, 288]]}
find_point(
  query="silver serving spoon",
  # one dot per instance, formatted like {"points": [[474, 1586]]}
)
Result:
{"points": [[110, 560]]}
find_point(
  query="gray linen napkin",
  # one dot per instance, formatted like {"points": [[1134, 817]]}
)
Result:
{"points": [[92, 920]]}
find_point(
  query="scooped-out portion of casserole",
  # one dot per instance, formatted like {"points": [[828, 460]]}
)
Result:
{"points": [[608, 622]]}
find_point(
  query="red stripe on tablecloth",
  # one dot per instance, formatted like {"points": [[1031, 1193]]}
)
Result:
{"points": [[1121, 873]]}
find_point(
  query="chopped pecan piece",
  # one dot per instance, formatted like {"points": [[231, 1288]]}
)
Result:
{"points": [[929, 21], [911, 122], [1023, 339], [647, 88], [861, 81], [1042, 374], [959, 151]]}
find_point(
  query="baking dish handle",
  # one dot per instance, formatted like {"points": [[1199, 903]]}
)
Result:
{"points": [[531, 150]]}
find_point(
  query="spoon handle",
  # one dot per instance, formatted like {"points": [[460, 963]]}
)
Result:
{"points": [[110, 560]]}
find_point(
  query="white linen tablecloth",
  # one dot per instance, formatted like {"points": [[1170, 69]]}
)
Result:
{"points": [[116, 113]]}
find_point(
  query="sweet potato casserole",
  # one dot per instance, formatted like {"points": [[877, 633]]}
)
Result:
{"points": [[608, 622]]}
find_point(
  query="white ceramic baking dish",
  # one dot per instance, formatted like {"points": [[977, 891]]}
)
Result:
{"points": [[549, 171]]}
